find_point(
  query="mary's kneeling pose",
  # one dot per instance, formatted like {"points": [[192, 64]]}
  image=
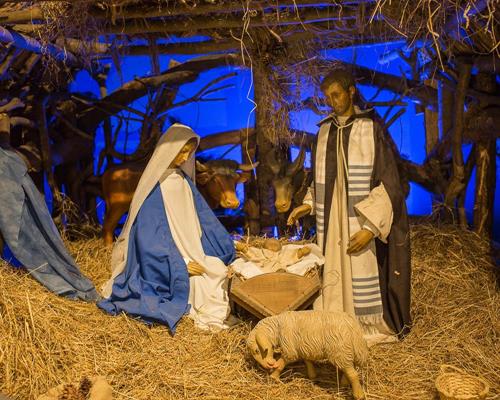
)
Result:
{"points": [[171, 256]]}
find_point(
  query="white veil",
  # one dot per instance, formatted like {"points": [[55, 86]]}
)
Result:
{"points": [[169, 145]]}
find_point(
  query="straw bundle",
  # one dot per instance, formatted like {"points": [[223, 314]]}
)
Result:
{"points": [[46, 340]]}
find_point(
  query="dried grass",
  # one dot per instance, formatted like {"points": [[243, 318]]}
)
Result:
{"points": [[446, 25], [47, 340]]}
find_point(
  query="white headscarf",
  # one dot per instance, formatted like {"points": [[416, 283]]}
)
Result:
{"points": [[169, 145]]}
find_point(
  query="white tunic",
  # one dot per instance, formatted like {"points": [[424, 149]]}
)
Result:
{"points": [[208, 292]]}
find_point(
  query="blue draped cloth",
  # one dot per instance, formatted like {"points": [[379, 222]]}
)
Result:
{"points": [[32, 237], [154, 285]]}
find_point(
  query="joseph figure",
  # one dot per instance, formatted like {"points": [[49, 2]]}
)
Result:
{"points": [[361, 217]]}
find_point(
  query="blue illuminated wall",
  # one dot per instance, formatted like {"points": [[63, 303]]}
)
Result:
{"points": [[235, 111]]}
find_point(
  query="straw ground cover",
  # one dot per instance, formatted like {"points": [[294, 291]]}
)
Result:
{"points": [[46, 340]]}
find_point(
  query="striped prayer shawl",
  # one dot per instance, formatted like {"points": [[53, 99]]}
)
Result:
{"points": [[358, 167]]}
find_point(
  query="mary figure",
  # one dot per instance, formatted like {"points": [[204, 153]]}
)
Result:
{"points": [[171, 256]]}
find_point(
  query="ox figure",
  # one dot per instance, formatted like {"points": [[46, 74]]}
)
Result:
{"points": [[290, 184], [216, 180]]}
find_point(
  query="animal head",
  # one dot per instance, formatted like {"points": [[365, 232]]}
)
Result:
{"points": [[219, 178], [261, 347], [283, 184]]}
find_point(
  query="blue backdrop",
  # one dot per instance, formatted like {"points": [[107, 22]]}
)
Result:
{"points": [[235, 111]]}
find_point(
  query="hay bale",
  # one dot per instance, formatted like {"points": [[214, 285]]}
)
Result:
{"points": [[47, 340]]}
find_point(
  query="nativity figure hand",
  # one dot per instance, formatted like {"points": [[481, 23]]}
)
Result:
{"points": [[241, 247], [359, 241], [297, 213], [195, 269]]}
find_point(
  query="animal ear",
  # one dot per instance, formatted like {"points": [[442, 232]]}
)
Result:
{"points": [[264, 344], [202, 178], [298, 164], [263, 351]]}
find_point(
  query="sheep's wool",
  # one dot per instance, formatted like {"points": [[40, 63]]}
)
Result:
{"points": [[316, 336]]}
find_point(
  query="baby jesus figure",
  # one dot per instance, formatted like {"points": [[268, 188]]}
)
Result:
{"points": [[270, 255]]}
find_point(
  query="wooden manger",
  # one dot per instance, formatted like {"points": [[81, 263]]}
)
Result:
{"points": [[270, 294]]}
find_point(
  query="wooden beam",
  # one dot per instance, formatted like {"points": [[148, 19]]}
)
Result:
{"points": [[198, 24], [232, 45], [19, 16], [490, 64], [12, 105], [21, 121], [420, 174], [204, 23], [209, 46], [183, 48], [155, 11], [204, 9], [7, 61], [28, 43], [376, 32], [410, 89], [79, 46], [224, 138]]}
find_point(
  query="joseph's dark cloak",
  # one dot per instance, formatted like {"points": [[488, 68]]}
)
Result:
{"points": [[394, 257]]}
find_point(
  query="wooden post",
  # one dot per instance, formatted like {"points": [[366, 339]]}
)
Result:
{"points": [[264, 145], [103, 91], [485, 187], [265, 127], [431, 124], [445, 124], [41, 117], [251, 207], [486, 167], [154, 55], [457, 182], [431, 119], [445, 109]]}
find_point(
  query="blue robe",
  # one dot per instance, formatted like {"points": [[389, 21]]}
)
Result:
{"points": [[32, 237], [154, 284]]}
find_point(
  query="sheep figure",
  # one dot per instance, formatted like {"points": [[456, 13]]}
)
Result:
{"points": [[310, 336]]}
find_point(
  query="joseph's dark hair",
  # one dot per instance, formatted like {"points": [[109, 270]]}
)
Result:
{"points": [[342, 76]]}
